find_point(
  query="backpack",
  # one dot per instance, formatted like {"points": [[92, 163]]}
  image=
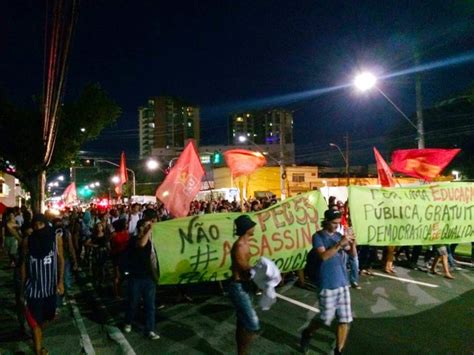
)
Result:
{"points": [[313, 265]]}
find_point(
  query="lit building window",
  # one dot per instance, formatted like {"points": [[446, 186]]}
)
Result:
{"points": [[248, 115], [190, 124], [270, 124], [240, 119], [151, 125]]}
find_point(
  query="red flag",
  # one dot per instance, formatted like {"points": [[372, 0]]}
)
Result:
{"points": [[122, 174], [182, 183], [422, 163], [243, 162], [385, 174], [70, 195]]}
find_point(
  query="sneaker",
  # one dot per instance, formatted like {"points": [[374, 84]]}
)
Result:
{"points": [[356, 286], [153, 336], [127, 328], [304, 343]]}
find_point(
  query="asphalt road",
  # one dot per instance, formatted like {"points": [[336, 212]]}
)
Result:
{"points": [[413, 313]]}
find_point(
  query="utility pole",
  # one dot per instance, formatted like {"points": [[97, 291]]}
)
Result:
{"points": [[419, 105], [282, 157], [346, 140]]}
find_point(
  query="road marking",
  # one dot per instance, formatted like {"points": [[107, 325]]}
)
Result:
{"points": [[116, 335], [298, 303], [114, 332], [85, 339], [405, 280], [464, 263]]}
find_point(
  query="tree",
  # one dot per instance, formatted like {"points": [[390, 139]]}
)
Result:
{"points": [[21, 135], [448, 124]]}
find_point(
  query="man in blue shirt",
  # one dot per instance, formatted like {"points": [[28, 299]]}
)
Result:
{"points": [[334, 296]]}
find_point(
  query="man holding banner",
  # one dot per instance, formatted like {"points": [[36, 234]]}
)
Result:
{"points": [[334, 296], [247, 320]]}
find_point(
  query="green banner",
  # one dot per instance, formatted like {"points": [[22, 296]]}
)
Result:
{"points": [[197, 249], [424, 215]]}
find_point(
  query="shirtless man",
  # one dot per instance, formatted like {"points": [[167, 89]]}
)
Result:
{"points": [[247, 321]]}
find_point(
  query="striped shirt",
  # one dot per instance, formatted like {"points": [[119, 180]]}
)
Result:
{"points": [[42, 274]]}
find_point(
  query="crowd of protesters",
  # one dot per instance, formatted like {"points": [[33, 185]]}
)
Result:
{"points": [[109, 243]]}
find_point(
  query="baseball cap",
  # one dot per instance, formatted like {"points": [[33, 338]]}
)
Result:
{"points": [[331, 215]]}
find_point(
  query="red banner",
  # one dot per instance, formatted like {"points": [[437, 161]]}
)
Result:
{"points": [[182, 183], [385, 174], [122, 174], [425, 164], [243, 162], [70, 195]]}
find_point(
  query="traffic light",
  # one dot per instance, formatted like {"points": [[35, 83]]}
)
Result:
{"points": [[85, 192], [217, 158]]}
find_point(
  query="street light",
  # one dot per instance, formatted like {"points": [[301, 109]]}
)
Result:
{"points": [[152, 164], [280, 162], [97, 183], [118, 166], [366, 81], [345, 157], [61, 177], [115, 179]]}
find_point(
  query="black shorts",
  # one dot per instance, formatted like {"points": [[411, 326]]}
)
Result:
{"points": [[40, 310]]}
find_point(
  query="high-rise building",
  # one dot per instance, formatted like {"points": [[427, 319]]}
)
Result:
{"points": [[262, 127], [167, 123]]}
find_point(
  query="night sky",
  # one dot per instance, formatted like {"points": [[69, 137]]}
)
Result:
{"points": [[233, 55]]}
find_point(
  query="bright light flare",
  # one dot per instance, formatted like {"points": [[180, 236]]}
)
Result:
{"points": [[152, 164], [365, 81], [242, 139]]}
